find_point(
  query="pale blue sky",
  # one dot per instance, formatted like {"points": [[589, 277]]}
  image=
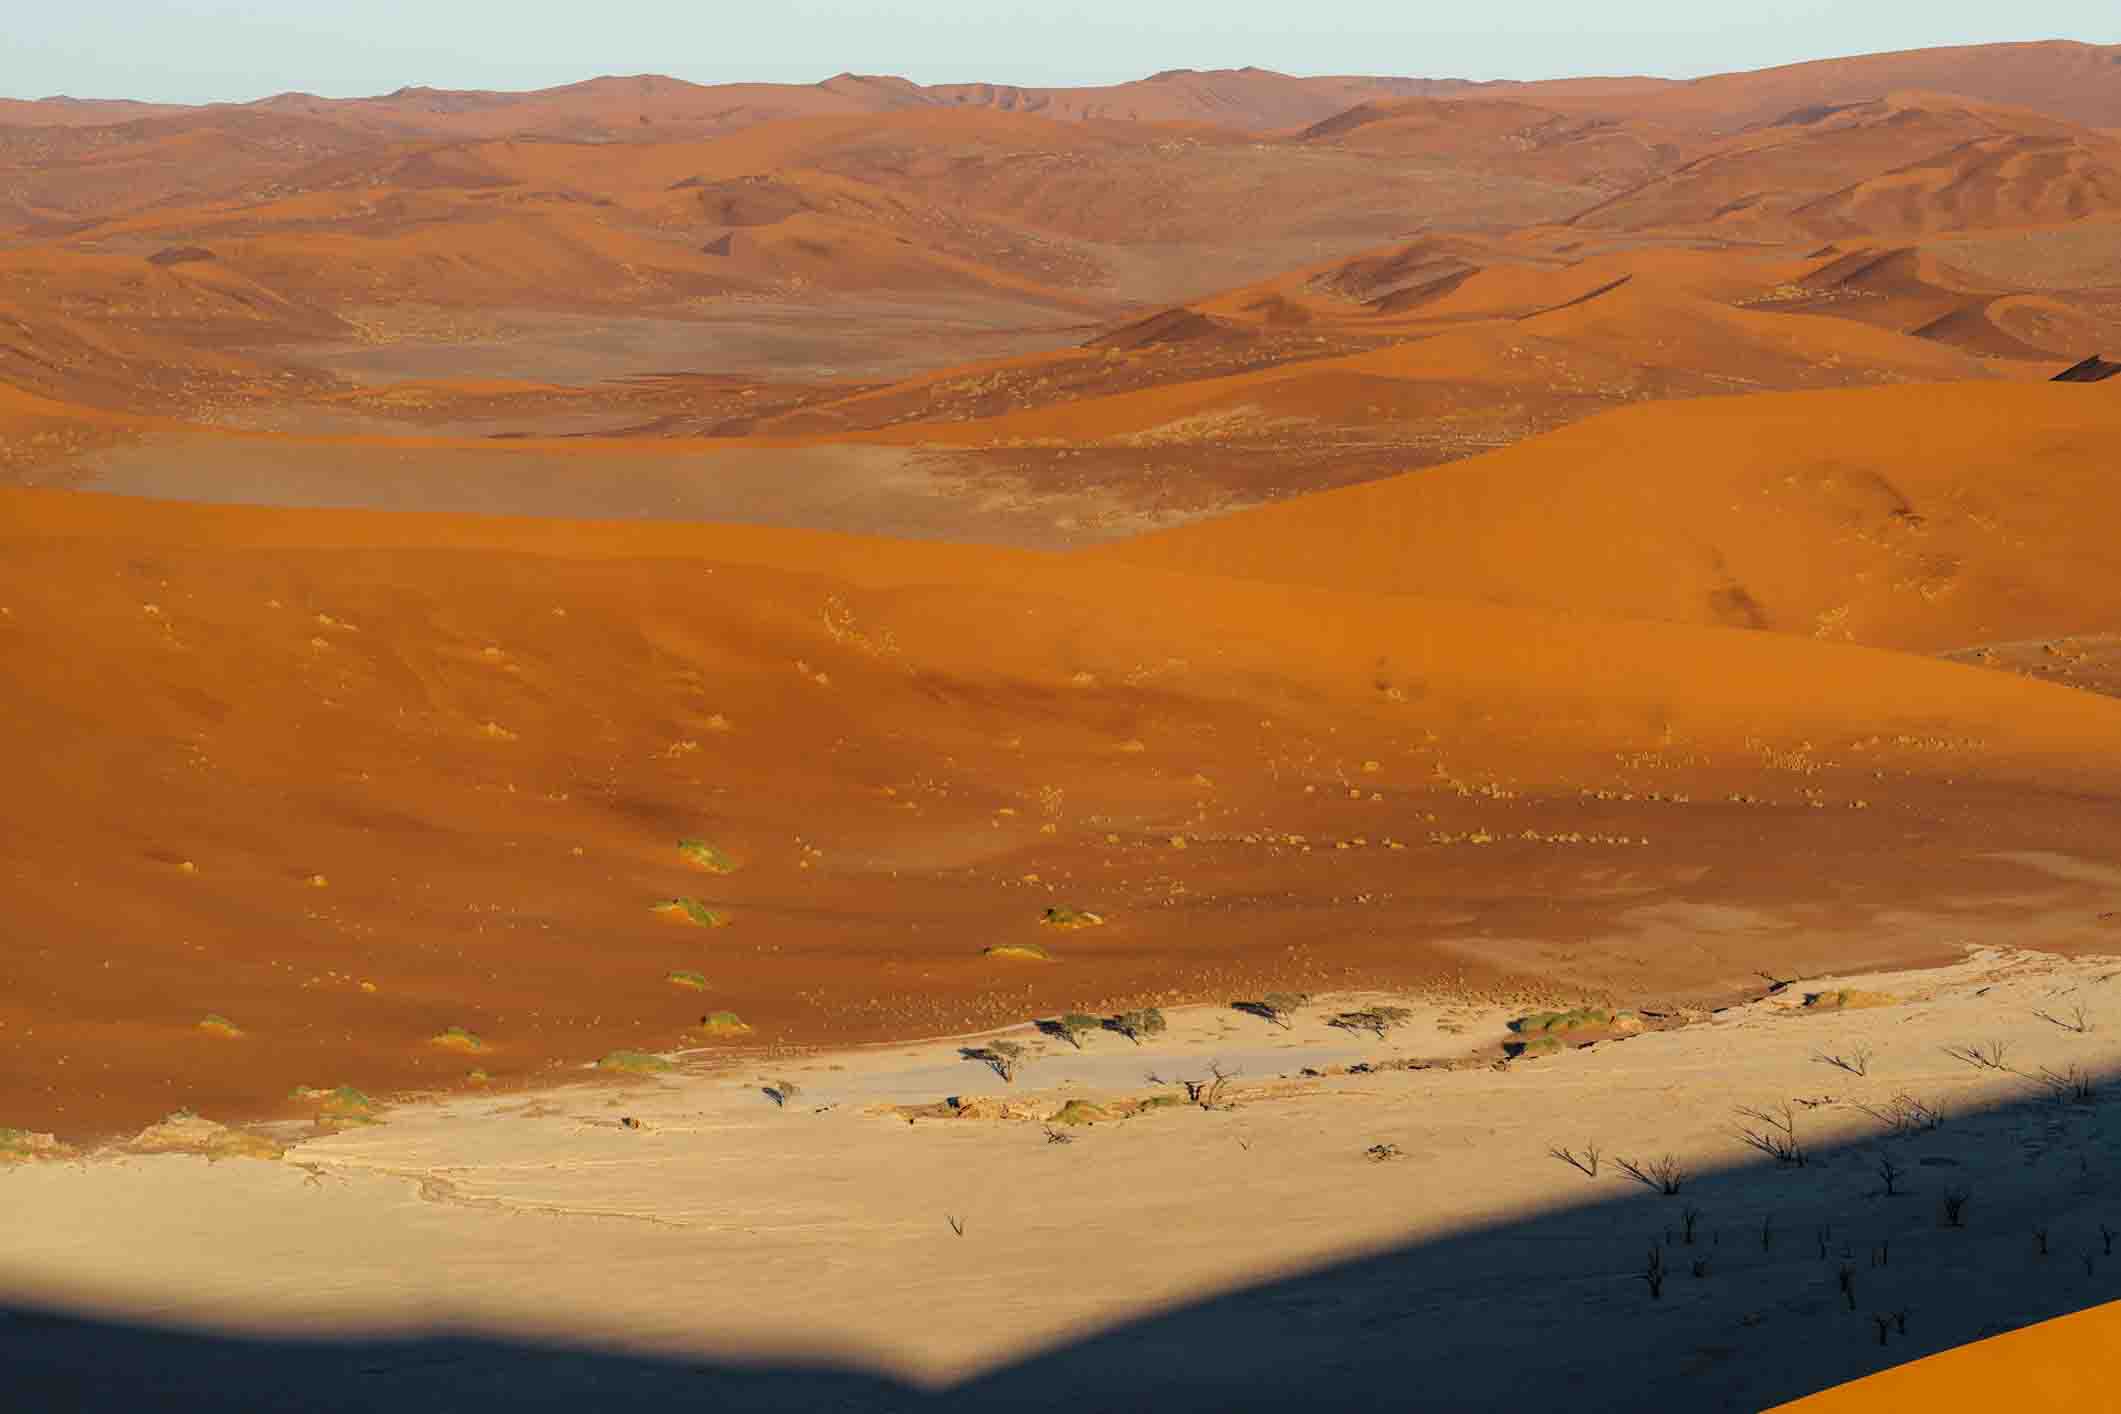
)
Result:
{"points": [[200, 50]]}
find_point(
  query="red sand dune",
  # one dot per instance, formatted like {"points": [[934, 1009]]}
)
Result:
{"points": [[283, 754], [1906, 516]]}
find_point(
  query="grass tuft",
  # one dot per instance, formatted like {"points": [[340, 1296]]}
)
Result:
{"points": [[702, 855], [1550, 1023], [724, 1023], [343, 1105], [1033, 952], [1070, 919], [692, 911], [691, 981], [634, 1063], [218, 1025], [1080, 1112], [456, 1038]]}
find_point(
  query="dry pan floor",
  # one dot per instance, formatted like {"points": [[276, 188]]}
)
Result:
{"points": [[1367, 1238]]}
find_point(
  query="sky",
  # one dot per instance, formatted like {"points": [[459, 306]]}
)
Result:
{"points": [[191, 51]]}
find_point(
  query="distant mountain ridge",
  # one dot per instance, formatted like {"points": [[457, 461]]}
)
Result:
{"points": [[2065, 79]]}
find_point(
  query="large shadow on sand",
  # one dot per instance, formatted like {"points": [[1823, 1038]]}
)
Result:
{"points": [[1548, 1310]]}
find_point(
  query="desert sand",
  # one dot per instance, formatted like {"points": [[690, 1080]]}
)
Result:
{"points": [[532, 623], [1317, 1235]]}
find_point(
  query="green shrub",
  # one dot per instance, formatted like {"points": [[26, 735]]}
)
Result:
{"points": [[702, 855]]}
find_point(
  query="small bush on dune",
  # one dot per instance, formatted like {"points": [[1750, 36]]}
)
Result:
{"points": [[689, 980], [1279, 1008], [217, 1025], [691, 910], [456, 1038], [342, 1105], [634, 1063], [1375, 1020], [1134, 1025], [1080, 1112], [702, 855], [1069, 919], [1071, 1027], [1552, 1023], [724, 1023], [1025, 952]]}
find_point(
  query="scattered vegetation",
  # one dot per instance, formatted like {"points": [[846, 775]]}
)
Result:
{"points": [[2072, 1085], [691, 910], [1889, 1174], [724, 1023], [1383, 1153], [634, 1063], [1208, 1094], [456, 1038], [1905, 1115], [1080, 1112], [702, 855], [1032, 952], [1666, 1175], [1134, 1025], [1375, 1020], [1992, 1056], [216, 1024], [683, 977], [1280, 1008], [342, 1105], [1586, 1162], [2076, 1021], [1547, 1023], [1003, 1056], [1856, 1062], [1069, 919], [1774, 1133], [1653, 1273], [1955, 1200], [1071, 1028]]}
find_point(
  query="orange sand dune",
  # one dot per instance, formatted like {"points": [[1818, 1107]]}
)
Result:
{"points": [[2061, 1364], [280, 755], [1920, 517]]}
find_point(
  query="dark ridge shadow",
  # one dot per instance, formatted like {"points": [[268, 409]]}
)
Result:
{"points": [[1440, 1323]]}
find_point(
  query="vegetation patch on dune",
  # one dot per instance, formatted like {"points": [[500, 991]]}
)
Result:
{"points": [[456, 1038], [1376, 1020], [217, 1025], [19, 1146], [688, 979], [1557, 1023], [342, 1105], [1134, 1025], [1080, 1112], [702, 855], [1033, 952], [1070, 919], [723, 1023], [187, 1133], [634, 1063], [692, 911]]}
